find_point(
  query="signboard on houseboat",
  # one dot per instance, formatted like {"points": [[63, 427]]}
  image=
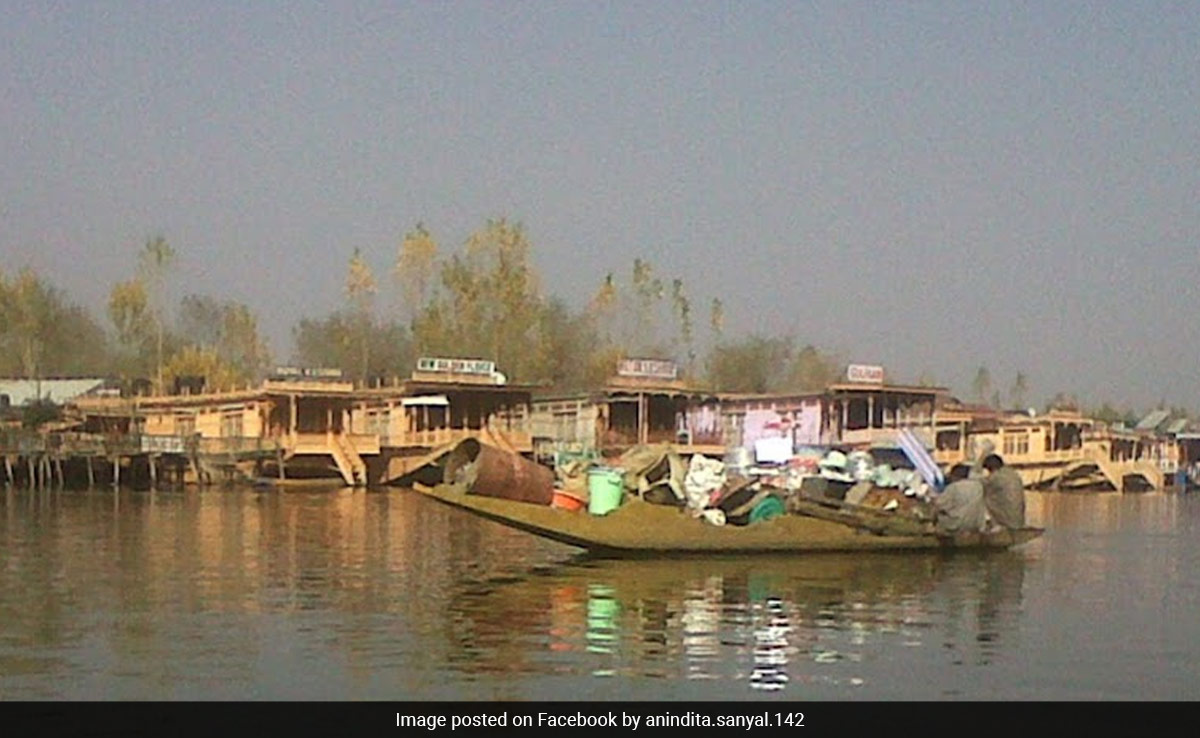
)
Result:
{"points": [[162, 444], [864, 373], [456, 366], [647, 368], [307, 372]]}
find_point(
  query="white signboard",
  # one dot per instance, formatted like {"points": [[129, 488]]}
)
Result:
{"points": [[308, 372], [456, 366], [425, 400], [864, 373], [162, 444], [654, 368]]}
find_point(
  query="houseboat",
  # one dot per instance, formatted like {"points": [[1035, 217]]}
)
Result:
{"points": [[295, 425], [1061, 449], [445, 401], [645, 402]]}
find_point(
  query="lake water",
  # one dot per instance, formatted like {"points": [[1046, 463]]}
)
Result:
{"points": [[247, 594]]}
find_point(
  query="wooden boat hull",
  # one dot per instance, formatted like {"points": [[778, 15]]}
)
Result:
{"points": [[639, 527]]}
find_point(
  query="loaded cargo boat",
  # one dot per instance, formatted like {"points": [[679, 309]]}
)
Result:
{"points": [[640, 527], [639, 512]]}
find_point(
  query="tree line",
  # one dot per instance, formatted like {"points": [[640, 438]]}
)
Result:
{"points": [[484, 300]]}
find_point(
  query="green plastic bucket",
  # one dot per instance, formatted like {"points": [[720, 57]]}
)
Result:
{"points": [[605, 487]]}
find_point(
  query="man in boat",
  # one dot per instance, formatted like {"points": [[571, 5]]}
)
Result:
{"points": [[960, 506], [1003, 493]]}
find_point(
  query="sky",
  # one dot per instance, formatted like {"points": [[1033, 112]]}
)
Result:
{"points": [[930, 187]]}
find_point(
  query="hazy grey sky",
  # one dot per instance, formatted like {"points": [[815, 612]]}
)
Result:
{"points": [[927, 186]]}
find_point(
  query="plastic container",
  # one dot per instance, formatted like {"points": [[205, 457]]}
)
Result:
{"points": [[565, 501], [605, 487], [767, 508]]}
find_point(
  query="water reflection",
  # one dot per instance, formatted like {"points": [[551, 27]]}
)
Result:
{"points": [[766, 622], [340, 594]]}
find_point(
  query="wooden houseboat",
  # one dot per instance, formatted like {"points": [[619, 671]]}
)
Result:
{"points": [[295, 425], [645, 402], [861, 412], [443, 402], [1061, 449]]}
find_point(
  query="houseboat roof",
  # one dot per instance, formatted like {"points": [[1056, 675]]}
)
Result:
{"points": [[736, 397], [58, 391], [1175, 427], [906, 389], [410, 387], [1152, 420], [122, 405], [620, 389]]}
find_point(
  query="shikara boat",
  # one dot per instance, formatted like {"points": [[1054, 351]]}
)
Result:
{"points": [[642, 528]]}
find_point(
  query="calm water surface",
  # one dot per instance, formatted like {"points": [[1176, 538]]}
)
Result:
{"points": [[250, 594]]}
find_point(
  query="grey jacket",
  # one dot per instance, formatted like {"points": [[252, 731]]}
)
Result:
{"points": [[960, 507], [1004, 495]]}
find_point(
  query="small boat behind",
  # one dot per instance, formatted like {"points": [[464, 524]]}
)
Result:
{"points": [[638, 527]]}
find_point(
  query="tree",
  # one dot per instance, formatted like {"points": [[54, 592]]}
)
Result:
{"points": [[489, 304], [683, 315], [602, 310], [203, 361], [128, 309], [200, 319], [812, 371], [639, 320], [570, 356], [332, 342], [648, 292], [1106, 413], [27, 307], [753, 364], [43, 334], [1020, 389], [416, 259], [982, 385], [156, 258], [230, 331], [716, 319], [360, 296]]}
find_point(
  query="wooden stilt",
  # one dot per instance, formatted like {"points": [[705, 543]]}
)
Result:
{"points": [[32, 472], [116, 471], [279, 457], [91, 473], [8, 471], [59, 471], [153, 471]]}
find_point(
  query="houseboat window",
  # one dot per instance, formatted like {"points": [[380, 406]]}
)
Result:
{"points": [[623, 419], [427, 417], [949, 440], [856, 414], [377, 422], [564, 426], [185, 425], [662, 414], [1016, 444], [1067, 436], [231, 425]]}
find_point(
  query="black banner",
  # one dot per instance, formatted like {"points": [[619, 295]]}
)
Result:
{"points": [[462, 718]]}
